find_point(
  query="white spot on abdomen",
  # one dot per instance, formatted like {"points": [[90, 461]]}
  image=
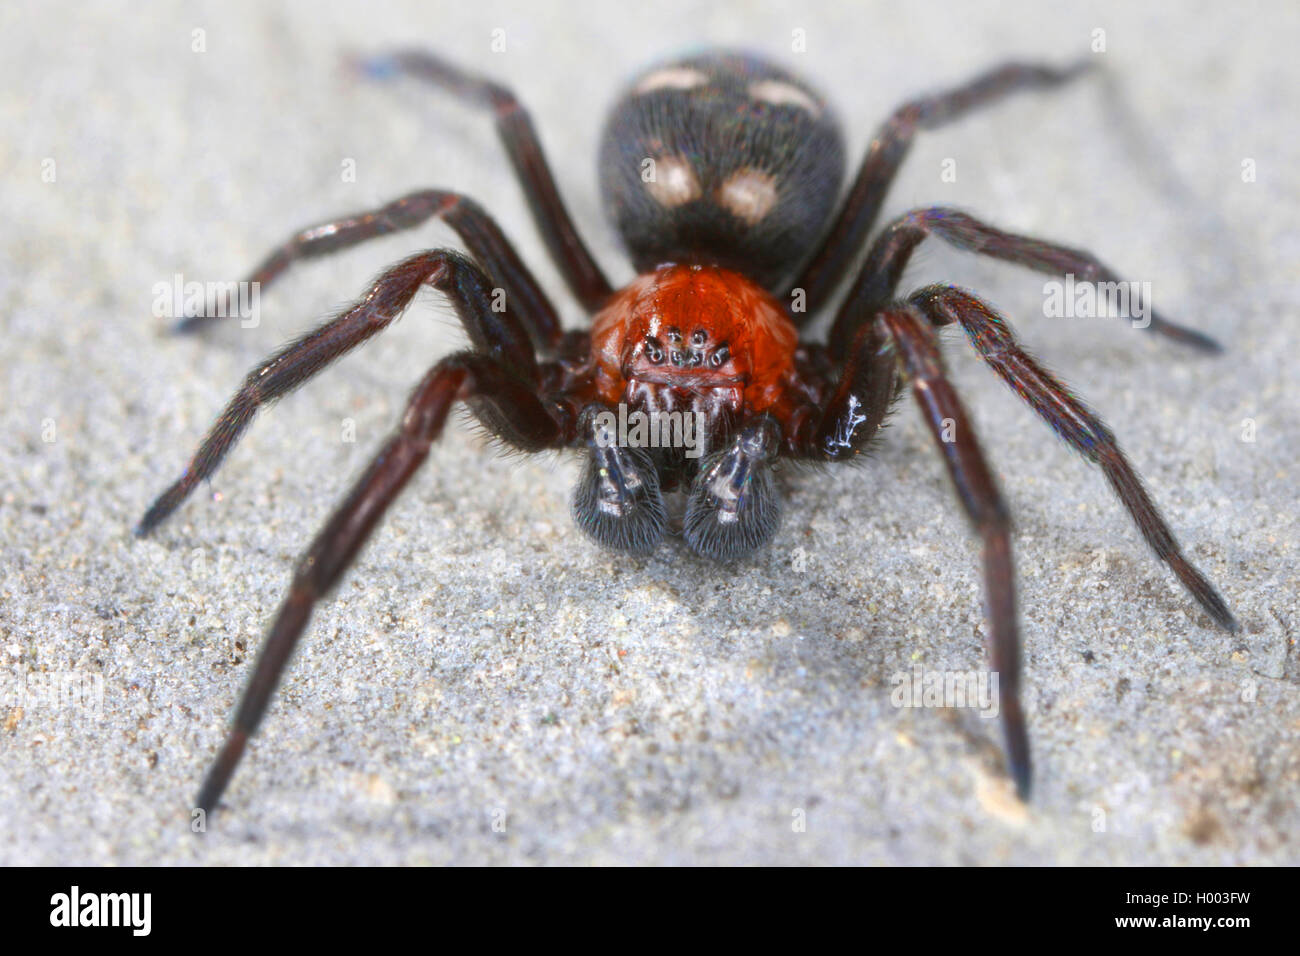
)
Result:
{"points": [[749, 194], [780, 93], [672, 78], [674, 182]]}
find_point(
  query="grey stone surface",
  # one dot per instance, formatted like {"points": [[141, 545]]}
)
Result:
{"points": [[482, 661]]}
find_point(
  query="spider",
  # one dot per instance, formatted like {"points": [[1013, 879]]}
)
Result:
{"points": [[722, 172]]}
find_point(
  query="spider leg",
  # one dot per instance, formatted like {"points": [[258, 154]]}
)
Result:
{"points": [[1075, 422], [877, 283], [524, 149], [499, 334], [863, 397], [617, 501], [733, 507], [829, 263], [467, 376], [480, 233], [918, 353]]}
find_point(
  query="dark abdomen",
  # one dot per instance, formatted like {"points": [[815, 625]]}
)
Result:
{"points": [[721, 159]]}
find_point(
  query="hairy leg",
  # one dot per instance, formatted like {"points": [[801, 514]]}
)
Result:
{"points": [[498, 334], [842, 242], [1073, 421], [877, 283], [480, 233], [852, 414], [460, 377], [525, 152], [918, 355]]}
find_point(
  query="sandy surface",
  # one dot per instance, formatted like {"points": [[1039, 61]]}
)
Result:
{"points": [[489, 687]]}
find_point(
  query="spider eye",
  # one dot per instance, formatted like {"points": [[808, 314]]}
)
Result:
{"points": [[721, 355], [654, 352], [699, 337], [675, 357]]}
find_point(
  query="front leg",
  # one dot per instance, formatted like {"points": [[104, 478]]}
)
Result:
{"points": [[460, 377], [733, 507], [852, 415], [918, 354], [1073, 421]]}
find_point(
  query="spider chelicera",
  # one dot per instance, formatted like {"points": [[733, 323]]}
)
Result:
{"points": [[722, 172]]}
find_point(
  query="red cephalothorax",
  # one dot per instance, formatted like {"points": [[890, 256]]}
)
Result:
{"points": [[702, 333]]}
